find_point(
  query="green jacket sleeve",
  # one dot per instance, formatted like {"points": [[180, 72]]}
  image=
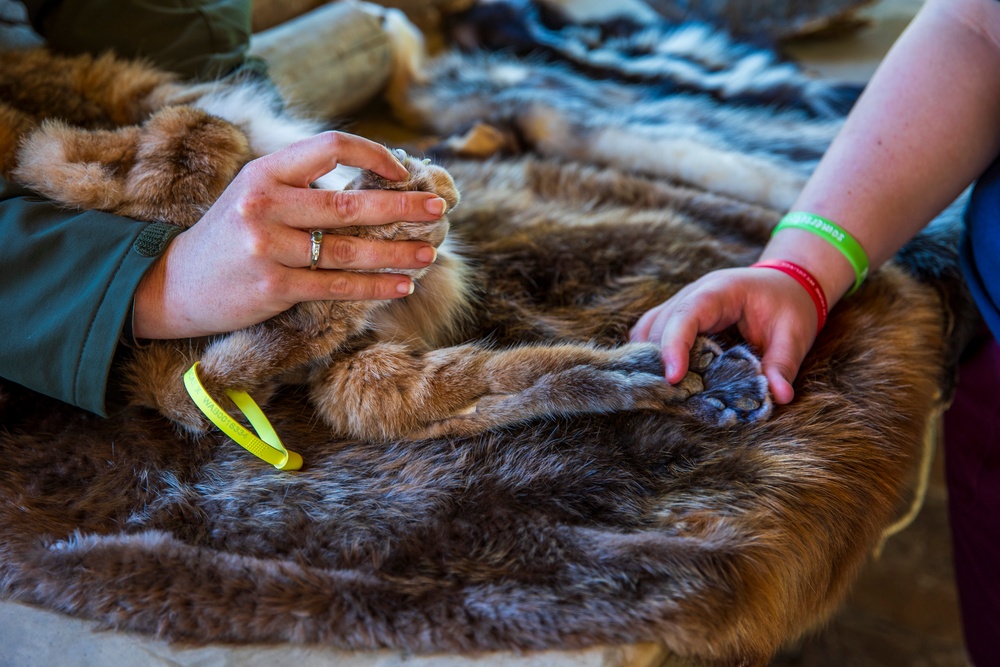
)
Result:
{"points": [[67, 279], [195, 38]]}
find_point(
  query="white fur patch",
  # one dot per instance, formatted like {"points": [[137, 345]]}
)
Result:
{"points": [[509, 74], [254, 109], [744, 177], [738, 175]]}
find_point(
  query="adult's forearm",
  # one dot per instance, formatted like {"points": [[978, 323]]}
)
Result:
{"points": [[66, 283]]}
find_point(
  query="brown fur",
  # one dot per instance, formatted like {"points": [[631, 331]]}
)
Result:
{"points": [[597, 520], [383, 356], [632, 526], [85, 91]]}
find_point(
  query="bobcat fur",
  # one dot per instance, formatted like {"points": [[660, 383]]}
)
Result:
{"points": [[99, 133]]}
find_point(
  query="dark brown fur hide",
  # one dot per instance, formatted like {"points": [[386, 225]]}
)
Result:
{"points": [[634, 526], [722, 543]]}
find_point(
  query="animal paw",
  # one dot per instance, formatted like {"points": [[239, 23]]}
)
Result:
{"points": [[734, 387], [428, 177], [183, 408], [424, 177]]}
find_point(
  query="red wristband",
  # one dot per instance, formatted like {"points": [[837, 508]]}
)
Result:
{"points": [[805, 279]]}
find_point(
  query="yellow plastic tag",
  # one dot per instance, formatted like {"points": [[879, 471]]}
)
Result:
{"points": [[267, 447]]}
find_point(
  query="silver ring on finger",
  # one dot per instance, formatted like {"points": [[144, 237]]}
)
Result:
{"points": [[317, 244]]}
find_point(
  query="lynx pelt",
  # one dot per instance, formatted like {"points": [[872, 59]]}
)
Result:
{"points": [[121, 137]]}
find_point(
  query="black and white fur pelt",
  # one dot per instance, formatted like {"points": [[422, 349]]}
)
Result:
{"points": [[754, 154], [758, 153], [670, 58]]}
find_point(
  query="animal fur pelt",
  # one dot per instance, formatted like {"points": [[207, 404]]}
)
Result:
{"points": [[685, 101], [565, 532], [375, 369], [722, 543], [668, 57], [775, 19], [747, 20], [757, 153]]}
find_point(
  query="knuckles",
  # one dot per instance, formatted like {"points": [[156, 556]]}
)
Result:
{"points": [[333, 141], [255, 204], [342, 250], [399, 205], [257, 241], [340, 286], [345, 206], [271, 283], [346, 286]]}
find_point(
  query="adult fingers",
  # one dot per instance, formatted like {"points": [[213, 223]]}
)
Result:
{"points": [[307, 209], [352, 253], [297, 285], [330, 209], [305, 161]]}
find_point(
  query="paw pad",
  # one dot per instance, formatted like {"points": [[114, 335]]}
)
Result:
{"points": [[735, 388]]}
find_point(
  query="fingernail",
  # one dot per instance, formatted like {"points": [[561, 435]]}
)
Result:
{"points": [[435, 206], [405, 287], [399, 156], [668, 371], [427, 254]]}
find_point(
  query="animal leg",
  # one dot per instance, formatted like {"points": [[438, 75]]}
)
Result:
{"points": [[80, 168], [154, 379], [14, 125], [254, 359], [184, 159], [170, 169], [389, 391]]}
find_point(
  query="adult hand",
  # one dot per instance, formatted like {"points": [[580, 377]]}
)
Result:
{"points": [[772, 311], [248, 258]]}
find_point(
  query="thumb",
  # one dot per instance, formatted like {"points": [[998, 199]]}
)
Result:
{"points": [[780, 363]]}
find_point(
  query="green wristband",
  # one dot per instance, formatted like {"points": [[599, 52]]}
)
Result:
{"points": [[836, 235]]}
